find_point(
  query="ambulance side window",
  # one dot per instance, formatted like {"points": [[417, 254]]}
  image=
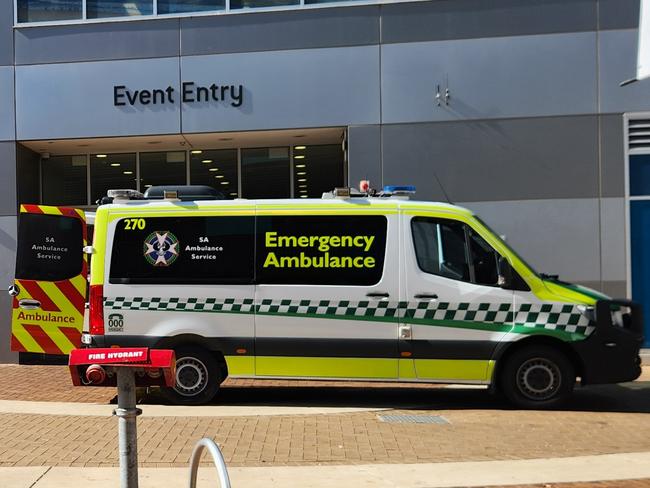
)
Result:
{"points": [[183, 250], [320, 249], [440, 247], [484, 260]]}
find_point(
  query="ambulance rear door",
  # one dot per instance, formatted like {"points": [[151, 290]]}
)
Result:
{"points": [[49, 290]]}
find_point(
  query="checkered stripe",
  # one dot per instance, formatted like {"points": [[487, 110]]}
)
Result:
{"points": [[228, 305], [338, 308], [555, 316], [561, 317]]}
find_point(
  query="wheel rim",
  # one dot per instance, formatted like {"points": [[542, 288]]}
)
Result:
{"points": [[191, 376], [539, 379]]}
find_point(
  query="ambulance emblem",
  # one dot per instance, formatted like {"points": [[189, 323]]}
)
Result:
{"points": [[161, 248]]}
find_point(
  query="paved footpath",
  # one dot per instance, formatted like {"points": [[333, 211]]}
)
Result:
{"points": [[326, 434]]}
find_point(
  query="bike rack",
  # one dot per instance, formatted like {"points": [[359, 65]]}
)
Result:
{"points": [[217, 457]]}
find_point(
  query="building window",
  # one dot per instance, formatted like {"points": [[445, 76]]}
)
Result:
{"points": [[181, 6], [217, 168], [64, 180], [265, 173], [48, 10], [162, 168], [99, 9], [237, 4], [109, 171], [317, 169]]}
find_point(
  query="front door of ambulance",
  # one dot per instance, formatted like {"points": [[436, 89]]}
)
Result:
{"points": [[326, 299], [455, 314]]}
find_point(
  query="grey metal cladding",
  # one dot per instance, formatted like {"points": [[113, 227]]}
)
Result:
{"points": [[84, 105], [617, 63], [8, 180], [6, 33], [462, 19], [512, 159], [523, 76], [538, 228], [300, 88], [97, 42], [612, 145], [612, 238], [269, 31], [618, 14], [364, 155], [7, 110], [6, 356]]}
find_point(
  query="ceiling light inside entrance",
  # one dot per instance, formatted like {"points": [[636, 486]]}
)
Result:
{"points": [[225, 182], [300, 148], [219, 176], [213, 169], [128, 172], [300, 156], [207, 161], [101, 156], [301, 165], [115, 165], [196, 151]]}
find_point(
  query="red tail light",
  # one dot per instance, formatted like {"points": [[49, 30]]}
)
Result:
{"points": [[96, 309]]}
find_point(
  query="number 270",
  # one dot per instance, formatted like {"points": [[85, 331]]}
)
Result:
{"points": [[133, 224]]}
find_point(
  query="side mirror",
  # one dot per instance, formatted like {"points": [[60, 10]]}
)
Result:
{"points": [[505, 273]]}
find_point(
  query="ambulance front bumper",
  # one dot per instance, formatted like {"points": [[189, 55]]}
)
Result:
{"points": [[611, 353]]}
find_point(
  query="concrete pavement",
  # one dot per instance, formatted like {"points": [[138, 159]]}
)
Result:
{"points": [[318, 434], [627, 466]]}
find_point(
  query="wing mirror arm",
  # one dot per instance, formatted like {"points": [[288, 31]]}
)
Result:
{"points": [[505, 273]]}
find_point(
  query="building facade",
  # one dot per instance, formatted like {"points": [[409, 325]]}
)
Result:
{"points": [[509, 107]]}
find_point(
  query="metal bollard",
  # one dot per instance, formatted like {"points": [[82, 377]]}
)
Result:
{"points": [[127, 413]]}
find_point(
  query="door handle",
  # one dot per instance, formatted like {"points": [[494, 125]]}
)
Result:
{"points": [[29, 304], [426, 296], [378, 294]]}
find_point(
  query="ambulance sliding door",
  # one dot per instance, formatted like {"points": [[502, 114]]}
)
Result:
{"points": [[327, 294], [49, 291], [455, 314]]}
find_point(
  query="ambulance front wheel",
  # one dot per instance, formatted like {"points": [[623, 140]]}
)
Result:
{"points": [[537, 376], [198, 377]]}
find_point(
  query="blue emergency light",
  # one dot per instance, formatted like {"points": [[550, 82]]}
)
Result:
{"points": [[399, 189]]}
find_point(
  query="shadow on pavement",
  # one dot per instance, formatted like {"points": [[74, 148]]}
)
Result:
{"points": [[627, 397]]}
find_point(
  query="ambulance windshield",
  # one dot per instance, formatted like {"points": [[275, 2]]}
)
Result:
{"points": [[505, 244]]}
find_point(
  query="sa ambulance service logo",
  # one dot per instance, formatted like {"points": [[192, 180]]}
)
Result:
{"points": [[161, 248]]}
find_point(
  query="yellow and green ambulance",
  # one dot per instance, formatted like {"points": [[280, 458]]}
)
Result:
{"points": [[345, 287]]}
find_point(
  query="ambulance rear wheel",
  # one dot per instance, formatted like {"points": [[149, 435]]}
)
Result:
{"points": [[198, 377], [537, 377]]}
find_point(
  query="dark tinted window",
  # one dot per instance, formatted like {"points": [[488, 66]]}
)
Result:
{"points": [[440, 247], [265, 173], [50, 247], [321, 250], [183, 250], [64, 180], [484, 260]]}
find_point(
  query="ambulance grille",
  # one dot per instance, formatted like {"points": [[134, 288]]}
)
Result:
{"points": [[638, 136], [413, 419]]}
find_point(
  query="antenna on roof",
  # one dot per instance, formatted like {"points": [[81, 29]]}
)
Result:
{"points": [[435, 175]]}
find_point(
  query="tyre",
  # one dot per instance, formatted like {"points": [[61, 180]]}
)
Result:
{"points": [[537, 377], [198, 377]]}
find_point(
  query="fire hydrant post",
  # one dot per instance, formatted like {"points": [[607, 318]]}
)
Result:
{"points": [[125, 368], [127, 413]]}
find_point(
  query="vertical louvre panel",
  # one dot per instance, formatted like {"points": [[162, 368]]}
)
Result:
{"points": [[639, 134]]}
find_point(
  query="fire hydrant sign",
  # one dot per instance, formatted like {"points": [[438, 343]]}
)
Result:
{"points": [[111, 355]]}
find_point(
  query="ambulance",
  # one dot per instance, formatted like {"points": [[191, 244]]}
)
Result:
{"points": [[353, 286]]}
